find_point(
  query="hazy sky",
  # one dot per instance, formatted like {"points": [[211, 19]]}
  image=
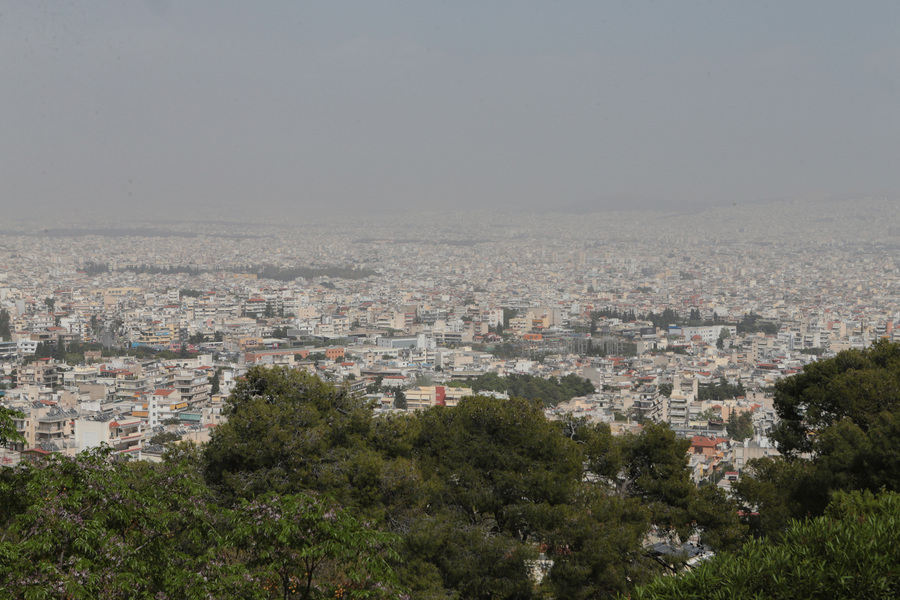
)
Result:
{"points": [[212, 105]]}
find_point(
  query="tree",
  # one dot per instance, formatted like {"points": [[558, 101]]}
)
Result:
{"points": [[492, 456], [850, 552], [594, 544], [88, 527], [8, 431], [844, 415], [652, 467], [286, 432], [754, 323], [740, 426], [493, 472], [857, 385], [509, 313], [215, 382], [448, 557], [85, 527], [296, 546], [724, 334], [399, 399], [164, 437], [5, 332]]}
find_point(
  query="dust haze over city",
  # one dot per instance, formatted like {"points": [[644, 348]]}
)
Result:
{"points": [[206, 110], [606, 234]]}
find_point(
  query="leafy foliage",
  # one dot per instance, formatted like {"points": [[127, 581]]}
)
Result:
{"points": [[458, 502], [851, 552], [549, 391], [857, 385], [164, 437], [5, 332], [473, 492], [8, 432], [287, 431], [740, 426], [720, 391], [279, 274], [294, 546], [844, 414], [754, 323], [86, 527]]}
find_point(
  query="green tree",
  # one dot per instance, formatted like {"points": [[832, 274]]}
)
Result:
{"points": [[8, 431], [595, 545], [509, 313], [774, 491], [857, 385], [844, 414], [164, 437], [653, 468], [754, 323], [88, 527], [85, 527], [448, 557], [740, 426], [493, 471], [215, 382], [721, 390], [850, 552], [296, 546], [493, 458], [287, 432], [724, 334], [5, 333], [399, 399]]}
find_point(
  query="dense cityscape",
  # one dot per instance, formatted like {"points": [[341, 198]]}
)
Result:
{"points": [[132, 336], [449, 300], [130, 326]]}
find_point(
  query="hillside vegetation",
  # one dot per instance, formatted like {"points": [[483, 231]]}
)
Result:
{"points": [[305, 493]]}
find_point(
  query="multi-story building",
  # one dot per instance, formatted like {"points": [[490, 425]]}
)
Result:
{"points": [[193, 386], [42, 372], [648, 404], [124, 434]]}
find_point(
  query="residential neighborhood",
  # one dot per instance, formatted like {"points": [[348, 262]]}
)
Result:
{"points": [[130, 340]]}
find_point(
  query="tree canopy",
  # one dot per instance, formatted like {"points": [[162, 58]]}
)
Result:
{"points": [[305, 493], [850, 552], [839, 430], [87, 527], [474, 493], [549, 391]]}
